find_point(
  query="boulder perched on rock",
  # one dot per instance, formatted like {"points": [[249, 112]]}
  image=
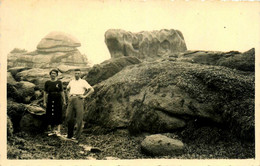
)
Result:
{"points": [[232, 59], [10, 129], [10, 79], [25, 90], [144, 45], [158, 145], [39, 76], [35, 110], [36, 75], [21, 91], [15, 70], [48, 60], [108, 68], [55, 49], [140, 97], [58, 41], [15, 111], [12, 93], [26, 117], [66, 68], [32, 123]]}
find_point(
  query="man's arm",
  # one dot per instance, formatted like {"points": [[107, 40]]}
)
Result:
{"points": [[68, 90], [88, 92], [63, 97]]}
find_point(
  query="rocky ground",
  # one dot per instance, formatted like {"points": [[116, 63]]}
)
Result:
{"points": [[120, 145]]}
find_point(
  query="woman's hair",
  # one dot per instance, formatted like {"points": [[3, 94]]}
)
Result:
{"points": [[54, 70]]}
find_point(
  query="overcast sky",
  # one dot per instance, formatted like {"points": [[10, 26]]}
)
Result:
{"points": [[215, 25]]}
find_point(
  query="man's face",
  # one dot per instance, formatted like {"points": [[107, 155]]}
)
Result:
{"points": [[77, 75]]}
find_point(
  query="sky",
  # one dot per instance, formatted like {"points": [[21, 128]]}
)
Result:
{"points": [[209, 25]]}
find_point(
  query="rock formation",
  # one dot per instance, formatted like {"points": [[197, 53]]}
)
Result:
{"points": [[15, 111], [10, 78], [108, 68], [144, 45], [32, 123], [151, 84], [164, 95], [58, 42], [28, 71], [55, 49], [232, 59], [10, 129]]}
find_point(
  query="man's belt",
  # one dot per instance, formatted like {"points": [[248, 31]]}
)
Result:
{"points": [[75, 95]]}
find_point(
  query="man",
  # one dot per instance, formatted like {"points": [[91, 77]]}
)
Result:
{"points": [[78, 89]]}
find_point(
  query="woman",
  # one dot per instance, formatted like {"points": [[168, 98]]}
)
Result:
{"points": [[53, 99]]}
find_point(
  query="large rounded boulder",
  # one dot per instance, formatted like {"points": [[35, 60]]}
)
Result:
{"points": [[163, 95]]}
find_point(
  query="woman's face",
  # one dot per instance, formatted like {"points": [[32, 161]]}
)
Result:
{"points": [[53, 75]]}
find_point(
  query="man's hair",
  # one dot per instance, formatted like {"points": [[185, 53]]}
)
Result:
{"points": [[77, 70], [54, 70]]}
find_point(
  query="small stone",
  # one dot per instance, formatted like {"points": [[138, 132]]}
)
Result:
{"points": [[160, 145]]}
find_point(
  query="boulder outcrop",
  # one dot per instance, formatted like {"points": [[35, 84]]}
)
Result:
{"points": [[25, 117], [144, 45], [15, 70], [10, 78], [10, 129], [140, 97], [15, 112], [108, 68], [32, 123], [232, 59]]}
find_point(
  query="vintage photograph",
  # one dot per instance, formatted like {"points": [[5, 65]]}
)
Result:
{"points": [[130, 81]]}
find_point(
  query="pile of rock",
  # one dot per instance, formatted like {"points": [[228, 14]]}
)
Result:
{"points": [[55, 49], [28, 71]]}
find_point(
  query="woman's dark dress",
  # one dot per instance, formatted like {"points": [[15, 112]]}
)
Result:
{"points": [[54, 102]]}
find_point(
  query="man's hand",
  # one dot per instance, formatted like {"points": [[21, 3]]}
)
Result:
{"points": [[44, 104], [64, 102], [82, 96]]}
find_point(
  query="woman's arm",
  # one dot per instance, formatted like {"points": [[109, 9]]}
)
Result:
{"points": [[45, 96]]}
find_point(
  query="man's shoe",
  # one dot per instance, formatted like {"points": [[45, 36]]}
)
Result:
{"points": [[51, 133], [73, 139], [57, 133]]}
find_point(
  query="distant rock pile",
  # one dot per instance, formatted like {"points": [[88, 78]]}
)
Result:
{"points": [[58, 42], [144, 45], [54, 50]]}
